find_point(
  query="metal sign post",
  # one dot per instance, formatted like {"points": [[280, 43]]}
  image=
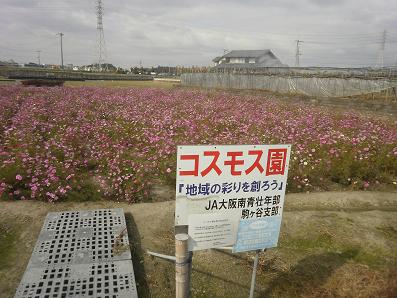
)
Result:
{"points": [[253, 278], [182, 266]]}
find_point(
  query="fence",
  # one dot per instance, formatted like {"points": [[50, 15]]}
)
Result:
{"points": [[312, 86], [319, 72]]}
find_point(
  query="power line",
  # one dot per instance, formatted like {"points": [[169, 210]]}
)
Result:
{"points": [[27, 49], [356, 42]]}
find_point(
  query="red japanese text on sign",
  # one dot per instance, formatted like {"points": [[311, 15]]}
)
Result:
{"points": [[276, 161], [235, 163]]}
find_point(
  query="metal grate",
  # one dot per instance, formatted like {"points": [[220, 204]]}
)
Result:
{"points": [[81, 254], [76, 237], [107, 280]]}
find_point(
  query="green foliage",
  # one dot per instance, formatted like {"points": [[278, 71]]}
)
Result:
{"points": [[84, 190]]}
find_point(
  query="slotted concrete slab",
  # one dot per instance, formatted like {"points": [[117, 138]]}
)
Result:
{"points": [[81, 254], [76, 237], [106, 279]]}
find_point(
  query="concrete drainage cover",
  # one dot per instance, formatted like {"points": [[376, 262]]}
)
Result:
{"points": [[106, 279], [81, 254]]}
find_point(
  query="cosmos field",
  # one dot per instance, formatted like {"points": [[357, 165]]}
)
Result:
{"points": [[87, 143]]}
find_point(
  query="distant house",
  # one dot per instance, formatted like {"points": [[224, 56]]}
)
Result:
{"points": [[87, 67], [216, 60], [248, 59]]}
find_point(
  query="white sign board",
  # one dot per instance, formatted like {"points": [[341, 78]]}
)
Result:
{"points": [[209, 230], [231, 195]]}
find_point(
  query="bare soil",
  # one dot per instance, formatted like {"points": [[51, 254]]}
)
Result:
{"points": [[332, 244]]}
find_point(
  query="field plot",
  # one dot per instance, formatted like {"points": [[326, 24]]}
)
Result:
{"points": [[88, 143]]}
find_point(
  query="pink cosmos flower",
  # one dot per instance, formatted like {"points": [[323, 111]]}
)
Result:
{"points": [[18, 177], [168, 170]]}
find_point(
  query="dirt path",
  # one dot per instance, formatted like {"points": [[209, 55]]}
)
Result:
{"points": [[331, 244]]}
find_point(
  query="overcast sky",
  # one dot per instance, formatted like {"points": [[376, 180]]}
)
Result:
{"points": [[175, 32]]}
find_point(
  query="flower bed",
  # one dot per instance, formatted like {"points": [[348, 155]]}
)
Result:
{"points": [[87, 143]]}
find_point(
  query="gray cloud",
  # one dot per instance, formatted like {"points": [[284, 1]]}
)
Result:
{"points": [[176, 32]]}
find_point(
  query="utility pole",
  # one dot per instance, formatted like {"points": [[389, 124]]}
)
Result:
{"points": [[297, 52], [38, 56], [382, 49], [61, 35]]}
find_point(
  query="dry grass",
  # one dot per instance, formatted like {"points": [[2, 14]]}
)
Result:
{"points": [[338, 251]]}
